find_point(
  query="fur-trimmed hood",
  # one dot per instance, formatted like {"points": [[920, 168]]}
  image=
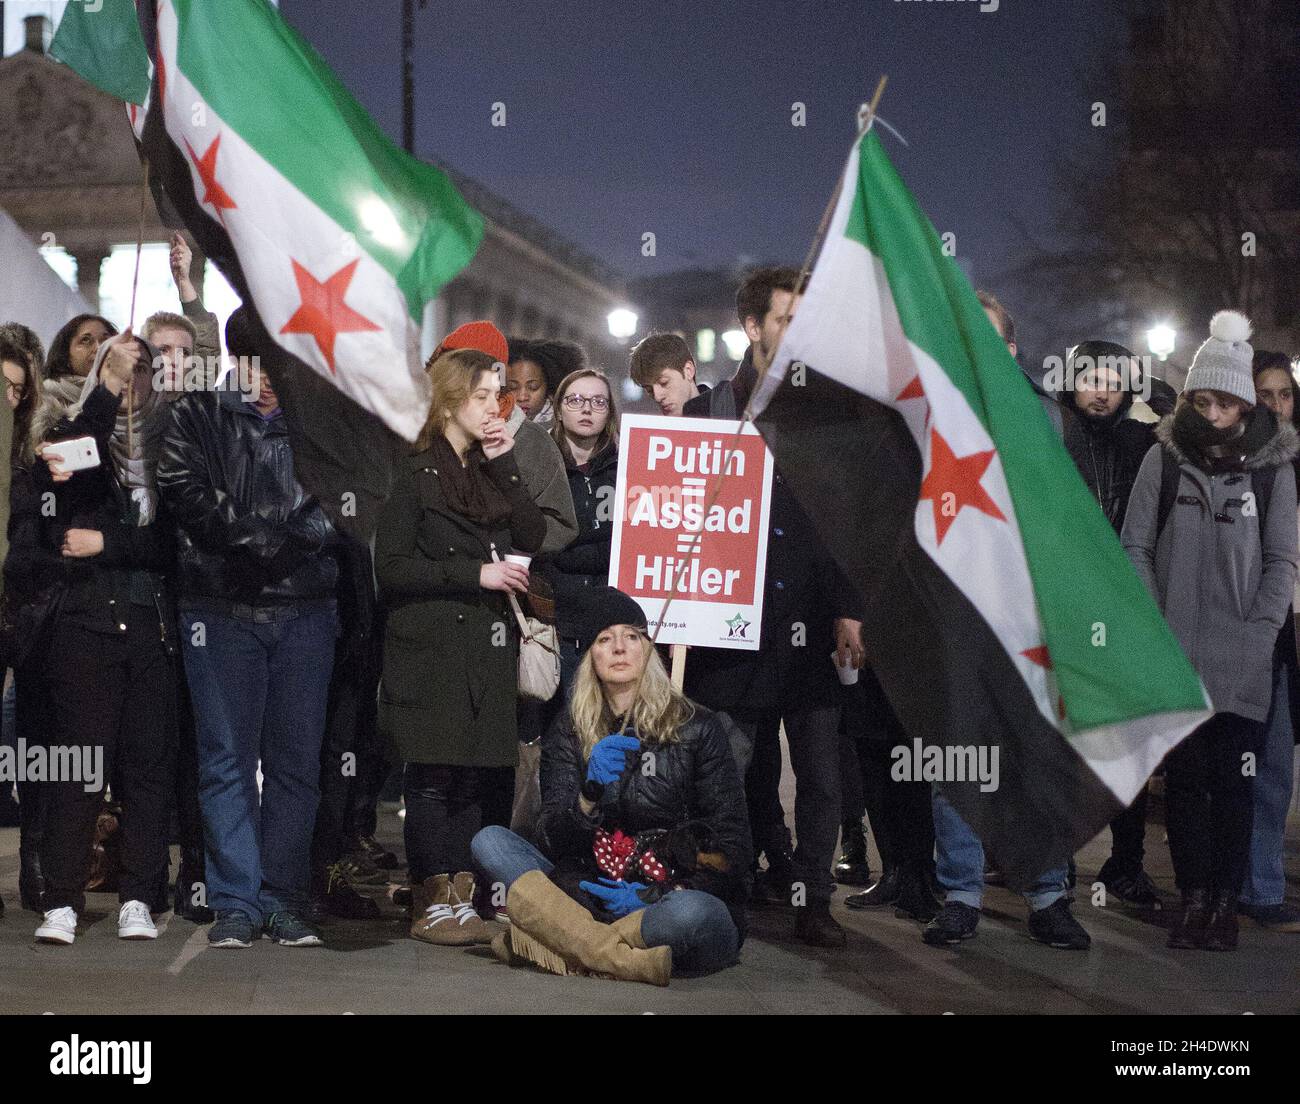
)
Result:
{"points": [[1281, 448]]}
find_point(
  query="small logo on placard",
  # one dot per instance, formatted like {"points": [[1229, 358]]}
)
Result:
{"points": [[737, 627]]}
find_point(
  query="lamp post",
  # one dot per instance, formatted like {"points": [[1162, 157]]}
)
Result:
{"points": [[408, 73]]}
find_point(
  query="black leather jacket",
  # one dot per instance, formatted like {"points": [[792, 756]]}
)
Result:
{"points": [[248, 533], [694, 779]]}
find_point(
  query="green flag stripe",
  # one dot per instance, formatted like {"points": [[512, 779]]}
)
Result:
{"points": [[1113, 654], [264, 80], [104, 46]]}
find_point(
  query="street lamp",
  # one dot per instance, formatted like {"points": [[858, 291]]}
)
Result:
{"points": [[736, 343], [622, 323], [1161, 339]]}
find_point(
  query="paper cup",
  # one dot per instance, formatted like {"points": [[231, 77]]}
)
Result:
{"points": [[848, 673], [522, 561]]}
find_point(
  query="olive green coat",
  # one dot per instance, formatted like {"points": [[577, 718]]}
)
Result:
{"points": [[451, 648]]}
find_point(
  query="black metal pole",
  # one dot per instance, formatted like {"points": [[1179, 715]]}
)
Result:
{"points": [[408, 76]]}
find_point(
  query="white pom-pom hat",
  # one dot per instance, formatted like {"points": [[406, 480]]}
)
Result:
{"points": [[1223, 362]]}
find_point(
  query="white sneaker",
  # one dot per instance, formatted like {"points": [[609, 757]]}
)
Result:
{"points": [[134, 922], [59, 926]]}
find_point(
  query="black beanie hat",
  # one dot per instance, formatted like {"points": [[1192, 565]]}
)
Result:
{"points": [[606, 606]]}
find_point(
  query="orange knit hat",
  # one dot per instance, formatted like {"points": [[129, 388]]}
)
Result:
{"points": [[479, 335]]}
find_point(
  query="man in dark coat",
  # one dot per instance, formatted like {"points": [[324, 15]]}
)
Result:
{"points": [[258, 621], [807, 607], [1108, 446]]}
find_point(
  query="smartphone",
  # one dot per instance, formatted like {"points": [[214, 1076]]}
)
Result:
{"points": [[73, 456]]}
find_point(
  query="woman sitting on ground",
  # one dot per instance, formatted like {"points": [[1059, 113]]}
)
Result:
{"points": [[647, 828]]}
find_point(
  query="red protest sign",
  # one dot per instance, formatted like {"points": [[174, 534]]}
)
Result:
{"points": [[681, 528]]}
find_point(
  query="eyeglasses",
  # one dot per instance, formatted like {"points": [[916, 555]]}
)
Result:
{"points": [[576, 402], [16, 391]]}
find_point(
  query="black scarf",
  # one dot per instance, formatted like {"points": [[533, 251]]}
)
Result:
{"points": [[1221, 450], [469, 491]]}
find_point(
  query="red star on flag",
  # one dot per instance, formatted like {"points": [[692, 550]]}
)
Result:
{"points": [[214, 195], [914, 390], [1043, 658], [323, 314], [958, 476]]}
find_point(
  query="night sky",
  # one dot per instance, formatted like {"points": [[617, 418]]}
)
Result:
{"points": [[674, 116]]}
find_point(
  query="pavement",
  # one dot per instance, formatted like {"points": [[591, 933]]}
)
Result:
{"points": [[373, 967]]}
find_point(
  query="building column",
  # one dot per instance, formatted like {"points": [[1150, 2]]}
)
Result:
{"points": [[88, 265]]}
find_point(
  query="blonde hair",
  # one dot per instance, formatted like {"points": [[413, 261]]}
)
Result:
{"points": [[607, 436], [660, 709], [453, 375], [166, 320]]}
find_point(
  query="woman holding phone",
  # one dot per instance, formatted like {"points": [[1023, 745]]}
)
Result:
{"points": [[458, 506], [110, 669]]}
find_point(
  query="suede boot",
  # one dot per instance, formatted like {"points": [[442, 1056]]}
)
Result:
{"points": [[553, 931]]}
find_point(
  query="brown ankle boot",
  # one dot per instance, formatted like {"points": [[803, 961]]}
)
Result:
{"points": [[462, 907], [432, 918], [556, 933]]}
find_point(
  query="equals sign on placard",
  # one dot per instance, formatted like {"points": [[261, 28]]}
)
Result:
{"points": [[688, 543], [692, 488]]}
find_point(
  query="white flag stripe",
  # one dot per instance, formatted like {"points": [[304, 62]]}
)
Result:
{"points": [[272, 225]]}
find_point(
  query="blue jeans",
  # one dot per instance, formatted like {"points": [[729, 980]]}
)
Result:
{"points": [[1265, 882], [259, 691], [696, 925], [959, 863]]}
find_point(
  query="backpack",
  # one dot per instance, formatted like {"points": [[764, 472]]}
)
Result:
{"points": [[1261, 484]]}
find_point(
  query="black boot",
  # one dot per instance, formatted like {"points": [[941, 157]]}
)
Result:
{"points": [[852, 867], [814, 925], [1193, 916], [376, 852], [772, 887], [335, 894], [915, 901], [1221, 926], [883, 893], [190, 891]]}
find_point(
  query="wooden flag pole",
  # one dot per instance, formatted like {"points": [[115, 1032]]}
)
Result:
{"points": [[866, 119], [135, 284]]}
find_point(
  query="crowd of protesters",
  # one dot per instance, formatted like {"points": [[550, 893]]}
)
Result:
{"points": [[254, 676]]}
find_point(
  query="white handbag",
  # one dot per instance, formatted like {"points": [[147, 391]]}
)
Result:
{"points": [[539, 654]]}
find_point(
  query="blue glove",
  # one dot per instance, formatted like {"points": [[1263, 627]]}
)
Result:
{"points": [[616, 898], [609, 758]]}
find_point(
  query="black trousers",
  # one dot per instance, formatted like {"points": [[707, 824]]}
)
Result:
{"points": [[1209, 808], [189, 817], [118, 693], [445, 808], [348, 750], [813, 738], [32, 716], [901, 813], [1128, 837]]}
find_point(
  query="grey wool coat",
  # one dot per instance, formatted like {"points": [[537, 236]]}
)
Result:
{"points": [[1223, 585]]}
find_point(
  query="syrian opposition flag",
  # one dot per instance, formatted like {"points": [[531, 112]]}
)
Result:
{"points": [[335, 239], [1001, 609]]}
